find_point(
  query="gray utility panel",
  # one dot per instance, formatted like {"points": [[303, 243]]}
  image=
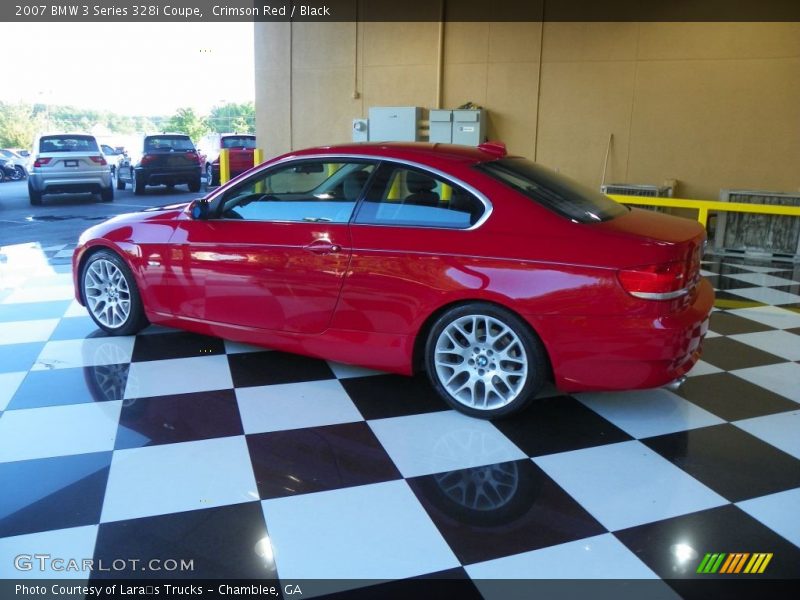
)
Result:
{"points": [[469, 127], [441, 126], [394, 123]]}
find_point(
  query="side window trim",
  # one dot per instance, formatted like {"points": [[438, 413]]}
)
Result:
{"points": [[217, 200], [393, 164]]}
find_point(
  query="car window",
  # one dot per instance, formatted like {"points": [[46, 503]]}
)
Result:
{"points": [[412, 197], [68, 143], [553, 190], [238, 142], [168, 142], [300, 191]]}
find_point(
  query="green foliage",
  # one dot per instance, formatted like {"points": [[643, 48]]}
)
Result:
{"points": [[20, 123], [233, 117], [186, 121]]}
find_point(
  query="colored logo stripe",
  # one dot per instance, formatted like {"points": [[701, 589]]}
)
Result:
{"points": [[711, 563], [721, 562], [735, 562], [758, 563]]}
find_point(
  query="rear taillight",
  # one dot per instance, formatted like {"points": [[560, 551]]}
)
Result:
{"points": [[655, 282], [147, 159], [99, 160], [40, 162], [192, 156]]}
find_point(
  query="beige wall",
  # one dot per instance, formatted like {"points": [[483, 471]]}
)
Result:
{"points": [[712, 105]]}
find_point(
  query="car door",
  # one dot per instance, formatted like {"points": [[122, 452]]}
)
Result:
{"points": [[274, 250], [412, 244]]}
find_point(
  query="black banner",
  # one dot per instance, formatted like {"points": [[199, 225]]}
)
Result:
{"points": [[394, 10], [423, 588]]}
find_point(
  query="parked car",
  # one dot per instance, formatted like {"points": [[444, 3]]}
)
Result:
{"points": [[240, 151], [68, 163], [163, 159], [113, 156], [488, 271], [17, 161], [8, 170]]}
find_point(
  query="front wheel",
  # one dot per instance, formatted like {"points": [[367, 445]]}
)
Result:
{"points": [[484, 360], [19, 173], [111, 295]]}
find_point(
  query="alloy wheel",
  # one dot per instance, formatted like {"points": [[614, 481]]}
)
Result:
{"points": [[481, 362], [108, 295]]}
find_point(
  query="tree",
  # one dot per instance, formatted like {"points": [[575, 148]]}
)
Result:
{"points": [[186, 121], [231, 116], [19, 124]]}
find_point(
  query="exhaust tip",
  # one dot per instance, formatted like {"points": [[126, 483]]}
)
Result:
{"points": [[675, 384]]}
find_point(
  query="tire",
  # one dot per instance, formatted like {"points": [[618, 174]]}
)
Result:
{"points": [[107, 194], [463, 361], [19, 173], [111, 295], [34, 196], [194, 185], [137, 182], [2, 176]]}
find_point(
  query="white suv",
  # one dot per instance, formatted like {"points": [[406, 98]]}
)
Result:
{"points": [[69, 163]]}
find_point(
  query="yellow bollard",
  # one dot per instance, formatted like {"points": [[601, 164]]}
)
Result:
{"points": [[258, 158], [224, 166]]}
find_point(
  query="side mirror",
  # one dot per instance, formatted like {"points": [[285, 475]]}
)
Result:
{"points": [[200, 210]]}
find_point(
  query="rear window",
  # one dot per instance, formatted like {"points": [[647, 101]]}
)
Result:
{"points": [[554, 191], [239, 142], [168, 142], [68, 143]]}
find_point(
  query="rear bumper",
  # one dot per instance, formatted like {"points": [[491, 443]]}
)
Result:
{"points": [[623, 353], [164, 176], [78, 181]]}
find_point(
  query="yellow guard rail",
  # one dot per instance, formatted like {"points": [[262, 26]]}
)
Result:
{"points": [[703, 207]]}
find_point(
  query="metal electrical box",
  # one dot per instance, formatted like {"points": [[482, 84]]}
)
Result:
{"points": [[469, 127], [441, 126], [394, 123]]}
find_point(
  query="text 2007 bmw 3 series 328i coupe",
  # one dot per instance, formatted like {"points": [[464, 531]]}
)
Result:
{"points": [[491, 273]]}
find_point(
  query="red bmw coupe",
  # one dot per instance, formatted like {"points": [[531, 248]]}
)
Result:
{"points": [[490, 272]]}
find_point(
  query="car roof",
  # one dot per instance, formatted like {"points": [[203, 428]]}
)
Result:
{"points": [[424, 151]]}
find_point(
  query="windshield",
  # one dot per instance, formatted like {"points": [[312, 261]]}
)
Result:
{"points": [[239, 141], [168, 142], [68, 143], [554, 191]]}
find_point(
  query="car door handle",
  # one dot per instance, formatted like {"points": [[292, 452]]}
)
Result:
{"points": [[323, 247]]}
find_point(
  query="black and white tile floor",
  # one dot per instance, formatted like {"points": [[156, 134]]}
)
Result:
{"points": [[258, 464]]}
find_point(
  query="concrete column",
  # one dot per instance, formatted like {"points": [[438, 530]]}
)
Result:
{"points": [[273, 87]]}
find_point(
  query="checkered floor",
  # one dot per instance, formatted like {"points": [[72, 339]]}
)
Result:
{"points": [[255, 463]]}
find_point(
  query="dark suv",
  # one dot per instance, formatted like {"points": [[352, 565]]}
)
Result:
{"points": [[165, 159]]}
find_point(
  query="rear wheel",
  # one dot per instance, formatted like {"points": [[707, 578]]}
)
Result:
{"points": [[111, 295], [34, 195], [137, 181], [107, 194], [194, 185], [484, 360]]}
